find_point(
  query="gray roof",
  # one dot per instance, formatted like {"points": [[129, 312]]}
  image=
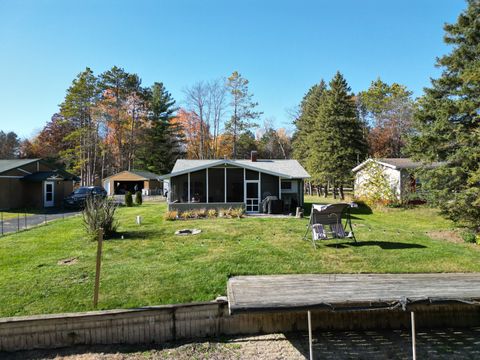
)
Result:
{"points": [[284, 168], [6, 165], [141, 173], [401, 163]]}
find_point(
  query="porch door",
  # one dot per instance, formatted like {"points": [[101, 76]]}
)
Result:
{"points": [[48, 193], [252, 196]]}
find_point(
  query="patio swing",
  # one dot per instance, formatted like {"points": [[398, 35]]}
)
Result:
{"points": [[331, 221]]}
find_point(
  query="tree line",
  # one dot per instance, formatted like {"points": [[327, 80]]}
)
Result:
{"points": [[110, 122]]}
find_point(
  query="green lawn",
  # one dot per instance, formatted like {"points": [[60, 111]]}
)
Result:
{"points": [[152, 266]]}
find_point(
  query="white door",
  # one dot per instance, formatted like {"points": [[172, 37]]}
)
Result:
{"points": [[252, 196], [48, 193]]}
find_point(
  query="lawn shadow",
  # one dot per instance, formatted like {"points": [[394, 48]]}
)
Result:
{"points": [[385, 245], [140, 234]]}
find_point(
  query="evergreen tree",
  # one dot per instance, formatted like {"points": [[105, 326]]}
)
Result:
{"points": [[243, 108], [162, 138], [337, 141], [447, 123], [305, 124], [78, 108], [9, 145]]}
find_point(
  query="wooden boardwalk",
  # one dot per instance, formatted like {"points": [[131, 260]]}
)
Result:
{"points": [[349, 291]]}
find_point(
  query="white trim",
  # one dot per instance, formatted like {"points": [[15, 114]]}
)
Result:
{"points": [[50, 203], [245, 186], [25, 171], [225, 185], [280, 188], [362, 165], [233, 163], [207, 185], [188, 190], [260, 181]]}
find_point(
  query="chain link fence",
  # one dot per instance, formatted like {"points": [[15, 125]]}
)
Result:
{"points": [[12, 221]]}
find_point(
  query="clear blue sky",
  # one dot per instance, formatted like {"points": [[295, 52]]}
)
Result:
{"points": [[282, 47]]}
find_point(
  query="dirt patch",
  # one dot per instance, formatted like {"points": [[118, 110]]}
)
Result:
{"points": [[446, 235], [68, 262]]}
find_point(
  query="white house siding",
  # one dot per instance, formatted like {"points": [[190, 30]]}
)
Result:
{"points": [[394, 177]]}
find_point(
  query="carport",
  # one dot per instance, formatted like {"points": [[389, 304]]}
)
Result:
{"points": [[411, 293], [144, 181]]}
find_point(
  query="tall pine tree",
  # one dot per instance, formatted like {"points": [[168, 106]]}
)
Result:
{"points": [[162, 139], [448, 123], [305, 122], [337, 141]]}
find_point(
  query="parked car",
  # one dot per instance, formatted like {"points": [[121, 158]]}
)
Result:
{"points": [[78, 197]]}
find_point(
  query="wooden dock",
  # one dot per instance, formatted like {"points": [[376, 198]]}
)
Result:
{"points": [[342, 292]]}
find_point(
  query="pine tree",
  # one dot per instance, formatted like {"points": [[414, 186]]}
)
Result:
{"points": [[305, 123], [78, 108], [243, 108], [162, 138], [337, 141], [447, 123]]}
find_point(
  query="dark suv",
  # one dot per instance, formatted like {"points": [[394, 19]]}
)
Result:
{"points": [[77, 198]]}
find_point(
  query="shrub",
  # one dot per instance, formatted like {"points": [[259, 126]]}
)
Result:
{"points": [[212, 213], [171, 215], [186, 214], [469, 236], [237, 212], [138, 198], [128, 199], [99, 213], [201, 213], [223, 212]]}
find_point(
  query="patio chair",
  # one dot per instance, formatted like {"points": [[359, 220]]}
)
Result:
{"points": [[330, 222]]}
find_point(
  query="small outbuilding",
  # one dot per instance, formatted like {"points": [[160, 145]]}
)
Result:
{"points": [[133, 180], [33, 183], [391, 178]]}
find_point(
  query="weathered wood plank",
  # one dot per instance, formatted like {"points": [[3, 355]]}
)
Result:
{"points": [[336, 291]]}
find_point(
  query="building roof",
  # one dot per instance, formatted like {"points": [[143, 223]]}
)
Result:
{"points": [[145, 175], [10, 164], [40, 176], [399, 163], [284, 168]]}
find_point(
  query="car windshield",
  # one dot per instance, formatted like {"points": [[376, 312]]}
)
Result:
{"points": [[80, 191]]}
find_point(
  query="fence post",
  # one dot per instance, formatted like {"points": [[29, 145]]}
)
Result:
{"points": [[18, 221], [97, 270]]}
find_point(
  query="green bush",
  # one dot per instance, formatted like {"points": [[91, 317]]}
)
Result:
{"points": [[138, 198], [128, 199], [469, 236], [99, 213]]}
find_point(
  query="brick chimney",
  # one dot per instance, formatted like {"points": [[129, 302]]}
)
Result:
{"points": [[253, 156]]}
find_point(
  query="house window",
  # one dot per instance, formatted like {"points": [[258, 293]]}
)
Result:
{"points": [[286, 185]]}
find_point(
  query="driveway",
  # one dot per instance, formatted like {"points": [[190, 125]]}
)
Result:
{"points": [[25, 222]]}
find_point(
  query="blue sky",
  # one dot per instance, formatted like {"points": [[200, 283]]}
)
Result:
{"points": [[282, 47]]}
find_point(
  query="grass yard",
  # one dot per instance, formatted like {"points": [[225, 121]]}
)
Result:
{"points": [[151, 266]]}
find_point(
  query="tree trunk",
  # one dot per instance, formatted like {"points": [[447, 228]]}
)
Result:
{"points": [[327, 185], [342, 195], [334, 189]]}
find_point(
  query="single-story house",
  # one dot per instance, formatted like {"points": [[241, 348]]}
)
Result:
{"points": [[146, 182], [196, 184], [398, 172], [33, 183]]}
